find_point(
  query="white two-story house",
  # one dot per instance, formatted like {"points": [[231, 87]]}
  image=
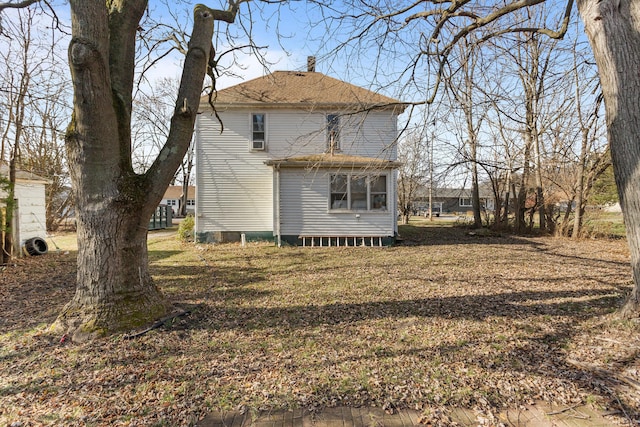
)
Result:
{"points": [[299, 158]]}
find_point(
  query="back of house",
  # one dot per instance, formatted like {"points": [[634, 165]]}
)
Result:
{"points": [[297, 157]]}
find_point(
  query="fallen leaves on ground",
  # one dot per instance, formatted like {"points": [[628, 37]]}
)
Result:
{"points": [[484, 322]]}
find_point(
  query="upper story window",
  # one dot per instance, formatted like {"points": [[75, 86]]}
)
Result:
{"points": [[333, 133], [258, 131], [357, 192]]}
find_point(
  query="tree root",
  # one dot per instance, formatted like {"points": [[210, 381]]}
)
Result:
{"points": [[157, 324], [631, 307]]}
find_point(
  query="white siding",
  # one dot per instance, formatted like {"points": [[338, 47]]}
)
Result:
{"points": [[235, 188], [31, 210], [304, 209], [293, 133]]}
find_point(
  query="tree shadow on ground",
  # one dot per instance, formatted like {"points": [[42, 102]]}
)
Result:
{"points": [[513, 305], [155, 255], [416, 235], [225, 300]]}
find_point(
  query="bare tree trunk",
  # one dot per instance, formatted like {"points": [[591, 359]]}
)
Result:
{"points": [[563, 227], [577, 219], [115, 291], [9, 249], [497, 200], [475, 193], [8, 243], [521, 198], [17, 118], [507, 197], [540, 202], [532, 136], [611, 26], [473, 150], [465, 97]]}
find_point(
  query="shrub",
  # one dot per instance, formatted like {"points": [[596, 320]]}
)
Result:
{"points": [[185, 230]]}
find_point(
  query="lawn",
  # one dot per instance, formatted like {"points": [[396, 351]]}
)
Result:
{"points": [[445, 319]]}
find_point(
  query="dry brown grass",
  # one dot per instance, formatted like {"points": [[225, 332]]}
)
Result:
{"points": [[446, 319]]}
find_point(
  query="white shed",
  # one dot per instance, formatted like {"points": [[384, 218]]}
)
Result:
{"points": [[30, 216]]}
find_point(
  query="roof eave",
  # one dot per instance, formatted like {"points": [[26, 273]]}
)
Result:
{"points": [[280, 163], [397, 108]]}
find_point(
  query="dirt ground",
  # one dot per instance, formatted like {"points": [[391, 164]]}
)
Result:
{"points": [[448, 319]]}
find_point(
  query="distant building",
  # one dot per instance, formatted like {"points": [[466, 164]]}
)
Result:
{"points": [[450, 200], [173, 198]]}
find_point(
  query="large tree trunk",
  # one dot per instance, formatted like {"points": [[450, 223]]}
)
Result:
{"points": [[613, 28], [115, 291]]}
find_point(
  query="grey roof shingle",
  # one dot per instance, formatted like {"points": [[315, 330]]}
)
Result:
{"points": [[21, 175]]}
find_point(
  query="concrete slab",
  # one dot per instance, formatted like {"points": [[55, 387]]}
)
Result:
{"points": [[529, 416]]}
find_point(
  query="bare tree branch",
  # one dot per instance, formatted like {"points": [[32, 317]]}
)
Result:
{"points": [[18, 5]]}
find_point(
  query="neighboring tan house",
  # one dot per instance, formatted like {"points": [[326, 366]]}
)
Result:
{"points": [[300, 158], [30, 215], [173, 197]]}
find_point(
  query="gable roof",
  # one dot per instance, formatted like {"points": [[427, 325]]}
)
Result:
{"points": [[301, 89], [175, 192], [22, 175], [451, 193]]}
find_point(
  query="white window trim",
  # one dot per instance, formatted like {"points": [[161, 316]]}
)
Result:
{"points": [[460, 202], [266, 125], [369, 193], [338, 143]]}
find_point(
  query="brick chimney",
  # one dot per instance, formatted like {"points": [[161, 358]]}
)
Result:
{"points": [[311, 64]]}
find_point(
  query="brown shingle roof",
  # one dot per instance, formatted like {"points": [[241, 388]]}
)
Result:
{"points": [[301, 89], [333, 161], [175, 192]]}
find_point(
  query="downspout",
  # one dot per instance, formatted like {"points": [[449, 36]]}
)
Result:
{"points": [[394, 198], [196, 208], [276, 202]]}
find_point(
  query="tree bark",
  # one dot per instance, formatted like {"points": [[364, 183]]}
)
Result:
{"points": [[582, 165], [531, 80], [475, 186], [115, 291], [613, 29], [523, 189], [9, 209]]}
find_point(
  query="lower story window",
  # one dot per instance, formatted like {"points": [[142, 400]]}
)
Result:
{"points": [[358, 192]]}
